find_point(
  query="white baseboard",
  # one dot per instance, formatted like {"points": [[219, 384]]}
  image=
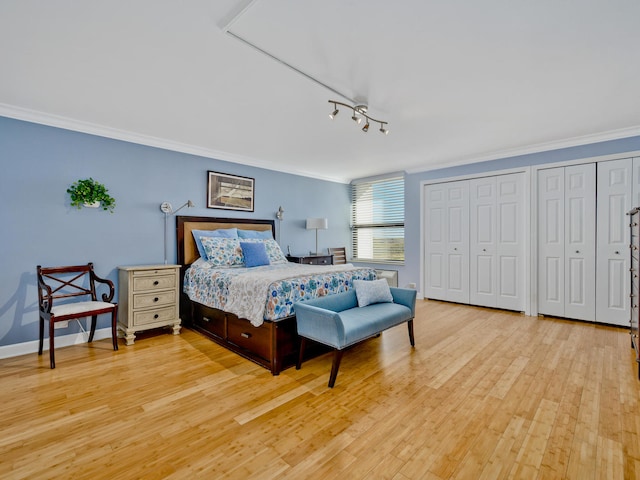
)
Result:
{"points": [[25, 348]]}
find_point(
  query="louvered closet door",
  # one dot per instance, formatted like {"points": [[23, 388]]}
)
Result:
{"points": [[447, 241], [614, 200]]}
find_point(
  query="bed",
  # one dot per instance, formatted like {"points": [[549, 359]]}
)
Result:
{"points": [[259, 324]]}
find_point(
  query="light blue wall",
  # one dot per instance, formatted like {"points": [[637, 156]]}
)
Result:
{"points": [[410, 272], [38, 163]]}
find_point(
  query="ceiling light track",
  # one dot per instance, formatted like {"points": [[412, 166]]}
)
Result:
{"points": [[359, 114]]}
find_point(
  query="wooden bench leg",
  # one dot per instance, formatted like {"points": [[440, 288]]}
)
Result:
{"points": [[337, 357], [52, 358], [303, 343], [114, 328], [92, 331], [410, 326]]}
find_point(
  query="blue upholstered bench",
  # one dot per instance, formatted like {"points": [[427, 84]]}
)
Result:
{"points": [[339, 322]]}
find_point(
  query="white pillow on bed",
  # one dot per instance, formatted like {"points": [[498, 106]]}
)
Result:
{"points": [[222, 252]]}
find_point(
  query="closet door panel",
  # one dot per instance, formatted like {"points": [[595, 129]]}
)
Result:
{"points": [[435, 235], [615, 192], [580, 245], [551, 233], [510, 241], [457, 216], [482, 246]]}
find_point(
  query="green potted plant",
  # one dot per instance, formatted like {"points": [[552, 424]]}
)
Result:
{"points": [[90, 193]]}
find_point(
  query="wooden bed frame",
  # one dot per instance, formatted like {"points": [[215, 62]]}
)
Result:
{"points": [[274, 344]]}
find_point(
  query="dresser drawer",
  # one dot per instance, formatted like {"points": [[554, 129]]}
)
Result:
{"points": [[245, 335], [146, 283], [146, 317], [144, 300], [213, 321]]}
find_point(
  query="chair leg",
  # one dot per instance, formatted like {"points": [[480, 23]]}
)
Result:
{"points": [[92, 331], [337, 357], [114, 328], [52, 358], [41, 336], [410, 326], [303, 343]]}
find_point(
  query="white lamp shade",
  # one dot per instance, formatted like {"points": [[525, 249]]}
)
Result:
{"points": [[317, 223]]}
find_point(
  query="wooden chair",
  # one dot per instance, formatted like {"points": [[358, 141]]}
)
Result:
{"points": [[60, 283], [339, 255]]}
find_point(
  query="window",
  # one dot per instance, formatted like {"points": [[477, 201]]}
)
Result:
{"points": [[377, 220]]}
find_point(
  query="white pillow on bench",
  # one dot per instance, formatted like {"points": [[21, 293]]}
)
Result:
{"points": [[372, 291]]}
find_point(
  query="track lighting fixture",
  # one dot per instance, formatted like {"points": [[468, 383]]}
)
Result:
{"points": [[359, 113]]}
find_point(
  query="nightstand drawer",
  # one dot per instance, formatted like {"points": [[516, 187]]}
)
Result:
{"points": [[155, 282], [154, 299], [146, 317]]}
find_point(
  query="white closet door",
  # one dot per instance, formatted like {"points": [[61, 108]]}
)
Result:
{"points": [[635, 182], [482, 246], [435, 235], [457, 216], [580, 241], [612, 281], [447, 241], [510, 231], [551, 241]]}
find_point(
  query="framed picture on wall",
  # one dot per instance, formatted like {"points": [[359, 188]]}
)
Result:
{"points": [[230, 192]]}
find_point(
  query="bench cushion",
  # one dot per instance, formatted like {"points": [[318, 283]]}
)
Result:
{"points": [[362, 323]]}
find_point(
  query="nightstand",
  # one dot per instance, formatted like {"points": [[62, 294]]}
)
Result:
{"points": [[148, 297], [311, 259]]}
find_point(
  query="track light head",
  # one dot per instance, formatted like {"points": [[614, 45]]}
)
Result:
{"points": [[356, 118], [333, 114], [365, 129], [384, 130]]}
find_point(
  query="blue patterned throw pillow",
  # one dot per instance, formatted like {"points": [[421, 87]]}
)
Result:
{"points": [[255, 254], [222, 252]]}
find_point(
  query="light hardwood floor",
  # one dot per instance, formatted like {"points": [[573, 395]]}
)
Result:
{"points": [[485, 394]]}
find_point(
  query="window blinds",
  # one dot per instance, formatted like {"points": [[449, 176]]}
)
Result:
{"points": [[378, 220]]}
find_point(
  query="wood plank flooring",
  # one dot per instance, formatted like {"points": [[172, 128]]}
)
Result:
{"points": [[485, 394]]}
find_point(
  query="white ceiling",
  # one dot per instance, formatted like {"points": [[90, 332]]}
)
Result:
{"points": [[457, 80]]}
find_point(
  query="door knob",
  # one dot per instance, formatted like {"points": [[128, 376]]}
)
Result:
{"points": [[456, 249], [484, 249], [577, 251], [617, 252]]}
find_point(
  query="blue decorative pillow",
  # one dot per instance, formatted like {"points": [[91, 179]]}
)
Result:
{"points": [[263, 234], [219, 233], [222, 252], [372, 291], [275, 253], [255, 254]]}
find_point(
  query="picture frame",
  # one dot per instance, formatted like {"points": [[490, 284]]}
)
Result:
{"points": [[230, 192]]}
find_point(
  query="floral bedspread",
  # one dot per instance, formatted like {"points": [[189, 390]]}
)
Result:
{"points": [[268, 292]]}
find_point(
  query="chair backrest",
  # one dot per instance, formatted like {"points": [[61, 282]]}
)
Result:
{"points": [[339, 255], [65, 282]]}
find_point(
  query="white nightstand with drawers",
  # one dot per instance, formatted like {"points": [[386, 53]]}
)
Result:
{"points": [[148, 297]]}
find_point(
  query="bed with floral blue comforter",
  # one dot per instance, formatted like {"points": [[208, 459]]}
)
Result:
{"points": [[267, 292]]}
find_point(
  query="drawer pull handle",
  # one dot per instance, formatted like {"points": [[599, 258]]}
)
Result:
{"points": [[156, 316], [205, 319], [157, 282], [245, 335], [156, 299]]}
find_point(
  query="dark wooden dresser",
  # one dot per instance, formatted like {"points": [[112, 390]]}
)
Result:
{"points": [[311, 259]]}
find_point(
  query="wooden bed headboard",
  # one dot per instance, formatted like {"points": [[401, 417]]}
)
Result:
{"points": [[187, 251]]}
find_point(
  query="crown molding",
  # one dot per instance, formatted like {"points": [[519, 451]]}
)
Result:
{"points": [[58, 121], [536, 148]]}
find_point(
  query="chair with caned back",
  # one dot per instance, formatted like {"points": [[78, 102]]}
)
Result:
{"points": [[339, 255], [69, 293]]}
